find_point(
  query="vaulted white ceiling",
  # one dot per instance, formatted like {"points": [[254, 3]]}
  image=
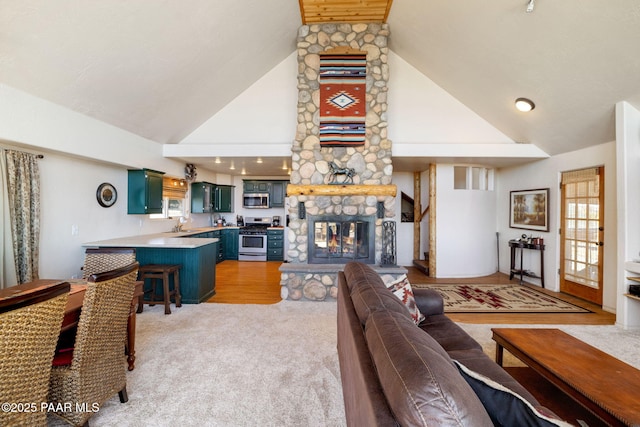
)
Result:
{"points": [[160, 69]]}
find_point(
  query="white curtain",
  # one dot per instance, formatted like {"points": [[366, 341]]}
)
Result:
{"points": [[8, 276]]}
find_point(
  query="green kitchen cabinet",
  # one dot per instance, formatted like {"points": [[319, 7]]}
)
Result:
{"points": [[223, 198], [217, 234], [256, 186], [202, 197], [275, 245], [144, 191], [278, 193], [198, 273], [230, 241], [277, 190]]}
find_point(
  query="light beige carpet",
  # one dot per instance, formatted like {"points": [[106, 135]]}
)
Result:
{"points": [[259, 365], [483, 298], [232, 365]]}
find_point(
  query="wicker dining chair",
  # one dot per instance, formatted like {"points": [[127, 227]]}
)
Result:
{"points": [[98, 364], [99, 260], [29, 327]]}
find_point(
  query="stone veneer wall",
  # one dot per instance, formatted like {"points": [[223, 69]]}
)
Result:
{"points": [[310, 162]]}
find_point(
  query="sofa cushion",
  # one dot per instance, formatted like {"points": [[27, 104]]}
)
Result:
{"points": [[401, 288], [420, 382], [369, 293], [449, 335], [366, 300], [429, 302], [358, 273], [504, 406]]}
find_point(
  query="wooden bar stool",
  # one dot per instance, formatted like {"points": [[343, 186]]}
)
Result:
{"points": [[161, 272]]}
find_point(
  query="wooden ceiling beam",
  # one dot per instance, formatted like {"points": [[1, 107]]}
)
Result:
{"points": [[316, 11]]}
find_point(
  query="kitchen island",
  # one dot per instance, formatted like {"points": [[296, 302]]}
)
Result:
{"points": [[197, 256]]}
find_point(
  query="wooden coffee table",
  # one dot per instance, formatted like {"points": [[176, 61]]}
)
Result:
{"points": [[601, 383]]}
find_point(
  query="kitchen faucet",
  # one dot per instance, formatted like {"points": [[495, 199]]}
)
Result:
{"points": [[178, 226]]}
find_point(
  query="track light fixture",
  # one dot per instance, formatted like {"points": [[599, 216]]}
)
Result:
{"points": [[530, 6]]}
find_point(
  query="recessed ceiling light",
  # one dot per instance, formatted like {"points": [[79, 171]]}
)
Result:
{"points": [[259, 160], [232, 167], [218, 160], [244, 172], [524, 104]]}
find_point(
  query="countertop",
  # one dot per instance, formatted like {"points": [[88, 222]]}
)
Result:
{"points": [[178, 239], [169, 239]]}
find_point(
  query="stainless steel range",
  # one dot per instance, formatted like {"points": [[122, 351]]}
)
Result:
{"points": [[253, 239]]}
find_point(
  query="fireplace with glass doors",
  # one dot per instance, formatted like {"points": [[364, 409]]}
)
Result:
{"points": [[341, 238]]}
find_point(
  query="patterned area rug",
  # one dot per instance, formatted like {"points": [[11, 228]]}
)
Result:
{"points": [[499, 298]]}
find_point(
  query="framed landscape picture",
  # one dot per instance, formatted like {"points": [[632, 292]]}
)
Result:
{"points": [[529, 209]]}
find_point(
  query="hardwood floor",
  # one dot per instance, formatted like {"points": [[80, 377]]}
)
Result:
{"points": [[247, 282]]}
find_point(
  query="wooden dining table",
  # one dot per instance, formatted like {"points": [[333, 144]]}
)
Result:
{"points": [[74, 308]]}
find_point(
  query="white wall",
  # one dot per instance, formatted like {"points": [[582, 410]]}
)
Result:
{"points": [[80, 154], [465, 228], [404, 230], [628, 174], [422, 112], [68, 200], [266, 112], [546, 174], [419, 112], [35, 122]]}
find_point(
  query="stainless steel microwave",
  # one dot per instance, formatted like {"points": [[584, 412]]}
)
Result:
{"points": [[255, 200]]}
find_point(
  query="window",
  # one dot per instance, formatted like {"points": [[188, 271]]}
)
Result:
{"points": [[472, 178]]}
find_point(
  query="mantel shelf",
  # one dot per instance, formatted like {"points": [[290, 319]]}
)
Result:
{"points": [[341, 190]]}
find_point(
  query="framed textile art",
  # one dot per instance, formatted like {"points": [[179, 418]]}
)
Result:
{"points": [[343, 103]]}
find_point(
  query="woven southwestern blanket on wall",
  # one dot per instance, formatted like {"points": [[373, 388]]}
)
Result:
{"points": [[342, 99]]}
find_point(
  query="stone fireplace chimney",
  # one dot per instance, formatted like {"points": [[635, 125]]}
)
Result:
{"points": [[308, 192]]}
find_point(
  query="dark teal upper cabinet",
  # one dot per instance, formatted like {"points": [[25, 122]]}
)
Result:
{"points": [[278, 193], [223, 198], [257, 186], [144, 192], [201, 197], [277, 190]]}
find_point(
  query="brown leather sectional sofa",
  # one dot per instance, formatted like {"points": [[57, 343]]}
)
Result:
{"points": [[396, 373]]}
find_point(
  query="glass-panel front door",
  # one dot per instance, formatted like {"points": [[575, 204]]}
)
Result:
{"points": [[582, 234]]}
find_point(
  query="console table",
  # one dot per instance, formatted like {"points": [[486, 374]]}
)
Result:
{"points": [[517, 244]]}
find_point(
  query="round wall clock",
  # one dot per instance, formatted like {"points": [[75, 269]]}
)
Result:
{"points": [[106, 194]]}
